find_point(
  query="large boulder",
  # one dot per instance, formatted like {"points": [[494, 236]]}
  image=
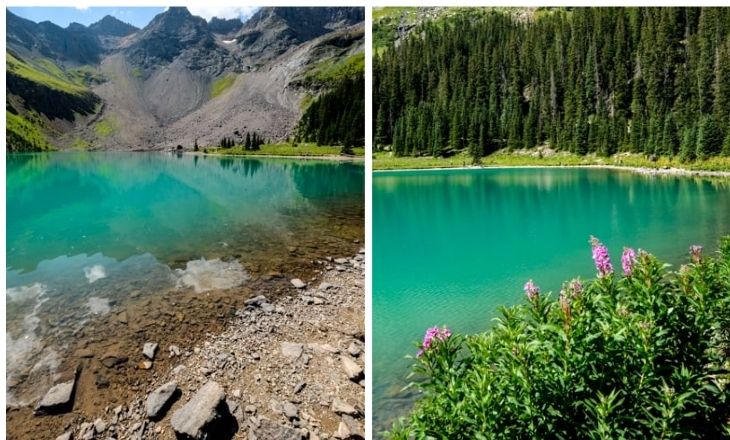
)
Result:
{"points": [[58, 399], [205, 416]]}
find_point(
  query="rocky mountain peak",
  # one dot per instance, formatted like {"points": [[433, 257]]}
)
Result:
{"points": [[224, 26], [168, 35], [272, 30], [177, 35], [75, 44], [112, 26]]}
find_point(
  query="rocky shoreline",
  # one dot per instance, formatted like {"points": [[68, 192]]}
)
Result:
{"points": [[285, 366]]}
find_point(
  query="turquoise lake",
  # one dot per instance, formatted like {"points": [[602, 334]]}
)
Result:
{"points": [[450, 246], [87, 230]]}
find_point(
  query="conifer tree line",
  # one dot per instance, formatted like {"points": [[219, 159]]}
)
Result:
{"points": [[252, 141], [337, 117], [587, 80]]}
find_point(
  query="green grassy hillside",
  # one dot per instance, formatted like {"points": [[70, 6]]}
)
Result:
{"points": [[45, 72], [22, 134]]}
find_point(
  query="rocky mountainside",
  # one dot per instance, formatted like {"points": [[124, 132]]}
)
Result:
{"points": [[113, 27], [224, 26], [177, 34], [76, 43], [178, 80], [273, 30]]}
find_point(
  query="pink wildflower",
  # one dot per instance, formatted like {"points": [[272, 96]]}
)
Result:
{"points": [[434, 333], [531, 290], [627, 261], [601, 258]]}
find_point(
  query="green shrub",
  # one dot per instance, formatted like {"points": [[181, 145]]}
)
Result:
{"points": [[639, 356]]}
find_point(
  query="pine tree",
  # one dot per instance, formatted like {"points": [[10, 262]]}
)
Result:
{"points": [[689, 145], [709, 138], [726, 145], [670, 141]]}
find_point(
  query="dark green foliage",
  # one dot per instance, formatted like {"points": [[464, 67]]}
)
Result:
{"points": [[643, 356], [253, 141], [726, 145], [587, 80], [227, 142], [709, 138], [687, 150], [337, 117]]}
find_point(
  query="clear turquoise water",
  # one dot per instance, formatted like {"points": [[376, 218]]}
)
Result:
{"points": [[86, 230], [449, 247]]}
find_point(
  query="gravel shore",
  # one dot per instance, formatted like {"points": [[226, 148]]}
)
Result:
{"points": [[285, 367]]}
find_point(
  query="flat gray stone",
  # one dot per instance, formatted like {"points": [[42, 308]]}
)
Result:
{"points": [[58, 399], [353, 349], [86, 431], [149, 350], [268, 430], [112, 360], [200, 412], [342, 407], [292, 350], [299, 284], [349, 429], [159, 399], [99, 426], [255, 301], [352, 369], [65, 436], [290, 411]]}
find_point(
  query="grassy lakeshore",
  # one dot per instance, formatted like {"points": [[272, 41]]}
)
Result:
{"points": [[284, 149], [387, 161]]}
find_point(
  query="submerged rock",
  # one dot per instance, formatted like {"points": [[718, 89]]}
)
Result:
{"points": [[299, 284], [159, 400], [65, 436]]}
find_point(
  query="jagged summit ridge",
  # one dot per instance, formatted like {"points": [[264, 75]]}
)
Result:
{"points": [[112, 26]]}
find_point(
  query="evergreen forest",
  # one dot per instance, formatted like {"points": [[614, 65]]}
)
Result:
{"points": [[337, 117], [654, 81]]}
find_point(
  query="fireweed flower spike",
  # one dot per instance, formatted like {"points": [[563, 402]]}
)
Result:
{"points": [[601, 258], [531, 290], [627, 261], [695, 252], [433, 333]]}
